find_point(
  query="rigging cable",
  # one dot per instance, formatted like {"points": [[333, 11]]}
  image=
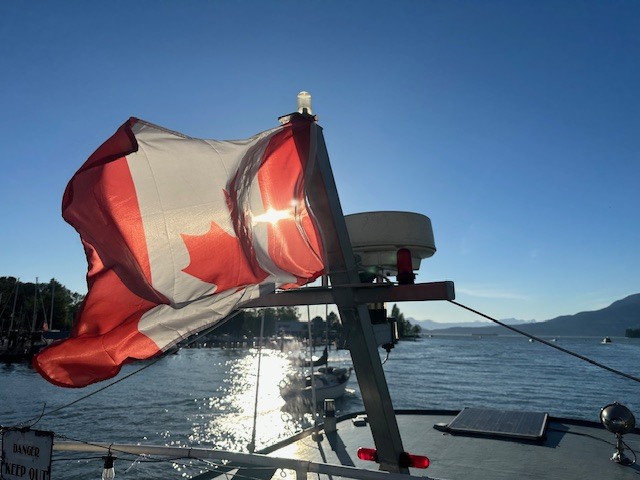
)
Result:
{"points": [[386, 357], [549, 344]]}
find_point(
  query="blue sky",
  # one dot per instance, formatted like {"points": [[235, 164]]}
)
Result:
{"points": [[513, 125]]}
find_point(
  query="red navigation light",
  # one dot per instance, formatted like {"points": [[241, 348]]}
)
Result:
{"points": [[406, 460], [413, 461], [368, 454], [405, 267]]}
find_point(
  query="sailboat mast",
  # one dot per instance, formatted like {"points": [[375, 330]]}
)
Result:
{"points": [[15, 302], [53, 287], [313, 378], [35, 307]]}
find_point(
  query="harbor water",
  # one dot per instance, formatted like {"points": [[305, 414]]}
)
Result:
{"points": [[206, 397]]}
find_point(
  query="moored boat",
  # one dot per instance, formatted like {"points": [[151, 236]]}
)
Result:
{"points": [[322, 384]]}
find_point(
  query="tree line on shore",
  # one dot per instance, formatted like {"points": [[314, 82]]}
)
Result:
{"points": [[26, 306]]}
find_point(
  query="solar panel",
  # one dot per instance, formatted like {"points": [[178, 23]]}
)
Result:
{"points": [[505, 423]]}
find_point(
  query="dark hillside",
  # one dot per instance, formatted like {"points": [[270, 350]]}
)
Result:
{"points": [[610, 321]]}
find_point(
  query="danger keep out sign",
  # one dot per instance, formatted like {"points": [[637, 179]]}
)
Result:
{"points": [[26, 455]]}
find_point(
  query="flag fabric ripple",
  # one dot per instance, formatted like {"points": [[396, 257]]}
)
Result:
{"points": [[178, 232]]}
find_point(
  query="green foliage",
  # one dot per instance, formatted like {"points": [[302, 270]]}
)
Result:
{"points": [[23, 305], [247, 322], [632, 333], [27, 305], [405, 329]]}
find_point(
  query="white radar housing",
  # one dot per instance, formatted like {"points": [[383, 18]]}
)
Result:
{"points": [[376, 238]]}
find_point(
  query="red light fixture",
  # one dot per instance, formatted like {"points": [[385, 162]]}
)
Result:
{"points": [[405, 267], [368, 454], [406, 460], [413, 461]]}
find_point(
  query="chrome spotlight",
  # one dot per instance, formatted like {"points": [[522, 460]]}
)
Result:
{"points": [[619, 420]]}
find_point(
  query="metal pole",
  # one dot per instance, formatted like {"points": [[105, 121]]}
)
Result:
{"points": [[252, 445], [311, 370], [361, 340]]}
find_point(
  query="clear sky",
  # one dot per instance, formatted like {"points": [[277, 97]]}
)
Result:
{"points": [[514, 125]]}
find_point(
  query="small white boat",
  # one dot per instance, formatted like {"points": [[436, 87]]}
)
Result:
{"points": [[606, 340], [328, 382]]}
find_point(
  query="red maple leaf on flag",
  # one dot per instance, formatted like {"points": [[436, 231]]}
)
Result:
{"points": [[218, 258]]}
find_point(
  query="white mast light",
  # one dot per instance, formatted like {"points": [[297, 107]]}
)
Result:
{"points": [[304, 103]]}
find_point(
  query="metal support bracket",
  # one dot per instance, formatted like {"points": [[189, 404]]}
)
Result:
{"points": [[362, 293]]}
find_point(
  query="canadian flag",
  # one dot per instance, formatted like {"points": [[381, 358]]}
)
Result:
{"points": [[178, 232]]}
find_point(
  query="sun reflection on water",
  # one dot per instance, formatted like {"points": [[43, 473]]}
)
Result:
{"points": [[225, 419]]}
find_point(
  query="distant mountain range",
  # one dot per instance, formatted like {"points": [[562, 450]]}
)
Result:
{"points": [[431, 325], [610, 321]]}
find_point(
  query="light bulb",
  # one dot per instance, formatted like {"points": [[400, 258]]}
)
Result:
{"points": [[108, 473]]}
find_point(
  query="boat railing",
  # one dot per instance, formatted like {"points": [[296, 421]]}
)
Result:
{"points": [[301, 467]]}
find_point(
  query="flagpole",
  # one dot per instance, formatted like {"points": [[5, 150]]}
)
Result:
{"points": [[361, 339]]}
